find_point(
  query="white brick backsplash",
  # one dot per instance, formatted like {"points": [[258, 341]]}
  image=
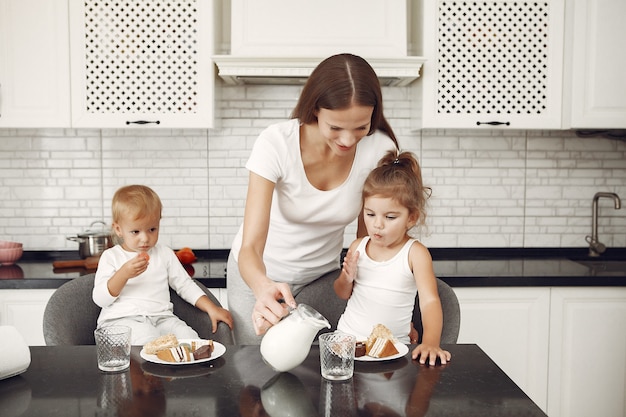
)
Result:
{"points": [[491, 188]]}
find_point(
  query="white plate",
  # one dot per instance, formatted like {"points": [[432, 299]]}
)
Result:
{"points": [[402, 350], [218, 350]]}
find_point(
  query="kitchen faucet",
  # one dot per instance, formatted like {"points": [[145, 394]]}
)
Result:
{"points": [[595, 246]]}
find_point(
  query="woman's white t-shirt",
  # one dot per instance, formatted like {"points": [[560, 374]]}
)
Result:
{"points": [[306, 229]]}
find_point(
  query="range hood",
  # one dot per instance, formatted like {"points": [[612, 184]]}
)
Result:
{"points": [[236, 70]]}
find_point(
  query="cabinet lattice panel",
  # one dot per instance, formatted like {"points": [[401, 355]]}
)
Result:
{"points": [[493, 57], [141, 56]]}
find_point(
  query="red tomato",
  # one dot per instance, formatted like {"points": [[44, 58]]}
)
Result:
{"points": [[186, 256], [144, 255]]}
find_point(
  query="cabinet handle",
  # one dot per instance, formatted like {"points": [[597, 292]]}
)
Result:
{"points": [[143, 122], [493, 123]]}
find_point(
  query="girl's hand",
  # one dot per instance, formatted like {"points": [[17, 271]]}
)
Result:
{"points": [[413, 334], [425, 353], [350, 265], [271, 305]]}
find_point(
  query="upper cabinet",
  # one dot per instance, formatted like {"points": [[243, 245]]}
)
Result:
{"points": [[493, 64], [281, 41], [290, 28], [598, 67], [142, 63], [34, 64]]}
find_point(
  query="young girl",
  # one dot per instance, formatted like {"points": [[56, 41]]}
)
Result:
{"points": [[133, 278], [383, 271]]}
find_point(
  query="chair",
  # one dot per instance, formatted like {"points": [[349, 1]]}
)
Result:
{"points": [[451, 314], [71, 315]]}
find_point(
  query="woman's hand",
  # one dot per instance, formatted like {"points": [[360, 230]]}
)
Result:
{"points": [[271, 304]]}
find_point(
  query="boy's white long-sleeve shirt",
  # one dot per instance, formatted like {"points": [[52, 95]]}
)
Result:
{"points": [[146, 294]]}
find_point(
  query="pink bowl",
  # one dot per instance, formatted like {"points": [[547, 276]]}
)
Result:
{"points": [[10, 255], [5, 244]]}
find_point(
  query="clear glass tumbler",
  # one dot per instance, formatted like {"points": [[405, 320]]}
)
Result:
{"points": [[337, 355], [113, 346]]}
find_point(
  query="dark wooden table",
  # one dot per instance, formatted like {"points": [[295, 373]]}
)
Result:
{"points": [[65, 381]]}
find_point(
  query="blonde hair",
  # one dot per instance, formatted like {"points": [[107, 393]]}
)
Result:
{"points": [[398, 176], [134, 202]]}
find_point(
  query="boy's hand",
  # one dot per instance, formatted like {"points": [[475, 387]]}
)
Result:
{"points": [[215, 312], [220, 314], [136, 265]]}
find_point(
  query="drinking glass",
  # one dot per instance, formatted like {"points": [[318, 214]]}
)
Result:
{"points": [[337, 355], [113, 346]]}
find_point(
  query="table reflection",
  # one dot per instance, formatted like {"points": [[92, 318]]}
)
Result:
{"points": [[397, 389], [132, 393], [11, 272], [15, 396]]}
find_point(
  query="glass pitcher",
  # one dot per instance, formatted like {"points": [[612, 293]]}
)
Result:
{"points": [[286, 344]]}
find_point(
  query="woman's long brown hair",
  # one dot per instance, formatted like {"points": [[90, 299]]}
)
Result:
{"points": [[338, 82]]}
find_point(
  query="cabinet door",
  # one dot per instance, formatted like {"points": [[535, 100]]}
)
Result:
{"points": [[34, 64], [23, 309], [599, 60], [587, 352], [493, 64], [142, 63], [511, 326], [319, 28]]}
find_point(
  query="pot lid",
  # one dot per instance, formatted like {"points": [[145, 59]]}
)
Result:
{"points": [[104, 230]]}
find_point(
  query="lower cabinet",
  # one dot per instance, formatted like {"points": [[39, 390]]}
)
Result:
{"points": [[587, 352], [564, 346], [511, 325], [23, 309]]}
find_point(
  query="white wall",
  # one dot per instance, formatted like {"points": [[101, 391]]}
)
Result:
{"points": [[490, 188]]}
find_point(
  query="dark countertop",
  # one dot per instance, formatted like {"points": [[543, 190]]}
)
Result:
{"points": [[65, 381], [459, 267]]}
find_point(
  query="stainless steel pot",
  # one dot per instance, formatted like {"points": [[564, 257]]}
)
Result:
{"points": [[93, 242]]}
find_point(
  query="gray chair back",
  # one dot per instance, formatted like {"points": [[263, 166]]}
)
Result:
{"points": [[71, 315], [451, 314]]}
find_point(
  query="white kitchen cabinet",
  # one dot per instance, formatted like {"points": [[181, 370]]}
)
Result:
{"points": [[511, 326], [598, 86], [23, 309], [34, 63], [140, 63], [493, 64], [287, 28], [587, 352]]}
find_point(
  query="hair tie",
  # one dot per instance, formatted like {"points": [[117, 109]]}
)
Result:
{"points": [[396, 161]]}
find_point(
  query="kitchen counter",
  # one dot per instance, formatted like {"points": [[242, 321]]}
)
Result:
{"points": [[459, 267]]}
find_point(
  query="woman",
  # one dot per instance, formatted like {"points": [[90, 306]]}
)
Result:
{"points": [[305, 182]]}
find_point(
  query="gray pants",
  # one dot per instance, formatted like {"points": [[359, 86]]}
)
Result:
{"points": [[319, 294]]}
